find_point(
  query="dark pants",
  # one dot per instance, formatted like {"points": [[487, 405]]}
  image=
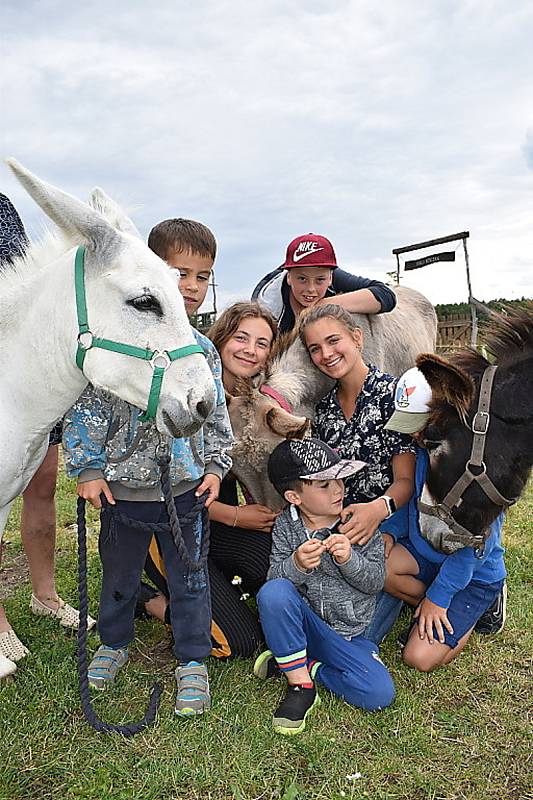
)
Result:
{"points": [[235, 629], [123, 553]]}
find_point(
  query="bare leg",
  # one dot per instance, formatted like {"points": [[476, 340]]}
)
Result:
{"points": [[157, 607], [400, 581], [425, 657], [38, 529], [300, 675], [4, 514]]}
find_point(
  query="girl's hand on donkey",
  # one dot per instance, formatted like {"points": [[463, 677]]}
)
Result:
{"points": [[255, 517], [361, 520], [91, 491], [429, 614], [308, 554]]}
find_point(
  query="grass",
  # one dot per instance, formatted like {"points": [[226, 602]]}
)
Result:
{"points": [[456, 734]]}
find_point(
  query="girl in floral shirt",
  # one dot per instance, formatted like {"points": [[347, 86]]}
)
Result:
{"points": [[351, 419]]}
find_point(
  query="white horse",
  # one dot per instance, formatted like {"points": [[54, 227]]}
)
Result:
{"points": [[131, 298]]}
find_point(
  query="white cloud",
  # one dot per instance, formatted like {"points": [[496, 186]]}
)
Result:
{"points": [[375, 124]]}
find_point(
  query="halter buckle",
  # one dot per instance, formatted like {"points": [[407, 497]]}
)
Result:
{"points": [[85, 340], [482, 418], [158, 357]]}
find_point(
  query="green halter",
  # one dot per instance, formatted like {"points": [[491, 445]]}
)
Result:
{"points": [[159, 359]]}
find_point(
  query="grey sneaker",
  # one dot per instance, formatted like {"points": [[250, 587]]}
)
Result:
{"points": [[193, 695], [105, 665]]}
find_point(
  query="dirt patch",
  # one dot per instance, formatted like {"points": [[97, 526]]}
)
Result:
{"points": [[155, 655], [14, 570]]}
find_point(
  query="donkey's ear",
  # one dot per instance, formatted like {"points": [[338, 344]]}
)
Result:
{"points": [[112, 212], [72, 216], [286, 425], [448, 382]]}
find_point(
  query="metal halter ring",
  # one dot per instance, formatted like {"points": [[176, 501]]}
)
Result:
{"points": [[482, 467], [158, 356], [85, 340]]}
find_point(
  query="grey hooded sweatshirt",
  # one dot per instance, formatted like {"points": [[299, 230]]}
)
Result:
{"points": [[343, 595]]}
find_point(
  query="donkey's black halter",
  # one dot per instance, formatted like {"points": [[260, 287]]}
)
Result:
{"points": [[480, 426]]}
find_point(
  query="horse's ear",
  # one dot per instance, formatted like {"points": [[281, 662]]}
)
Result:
{"points": [[72, 216], [448, 382], [286, 425], [112, 212]]}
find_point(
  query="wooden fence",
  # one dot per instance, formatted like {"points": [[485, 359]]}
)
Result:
{"points": [[454, 332]]}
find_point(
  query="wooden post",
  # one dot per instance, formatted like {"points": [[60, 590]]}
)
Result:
{"points": [[473, 337]]}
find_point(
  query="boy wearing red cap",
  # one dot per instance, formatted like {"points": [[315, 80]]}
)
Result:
{"points": [[309, 274]]}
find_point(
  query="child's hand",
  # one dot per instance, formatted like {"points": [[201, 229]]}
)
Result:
{"points": [[360, 520], [429, 614], [254, 517], [211, 485], [339, 547], [388, 542], [308, 554], [91, 491]]}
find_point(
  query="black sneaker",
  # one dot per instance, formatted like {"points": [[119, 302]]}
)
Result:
{"points": [[266, 666], [289, 717], [493, 620], [404, 634]]}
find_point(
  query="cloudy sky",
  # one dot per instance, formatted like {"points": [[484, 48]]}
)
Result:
{"points": [[375, 124]]}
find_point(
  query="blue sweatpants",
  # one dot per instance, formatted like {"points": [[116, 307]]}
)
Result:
{"points": [[297, 636], [123, 553]]}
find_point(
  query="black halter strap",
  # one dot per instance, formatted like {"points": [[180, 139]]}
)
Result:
{"points": [[480, 426]]}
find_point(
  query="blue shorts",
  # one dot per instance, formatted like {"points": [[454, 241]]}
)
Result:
{"points": [[466, 607]]}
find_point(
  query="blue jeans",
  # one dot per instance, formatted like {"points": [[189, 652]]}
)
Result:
{"points": [[297, 636], [123, 553], [385, 615]]}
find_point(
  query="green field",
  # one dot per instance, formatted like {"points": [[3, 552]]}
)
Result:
{"points": [[458, 733]]}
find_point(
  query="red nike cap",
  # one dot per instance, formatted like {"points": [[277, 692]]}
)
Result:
{"points": [[310, 250]]}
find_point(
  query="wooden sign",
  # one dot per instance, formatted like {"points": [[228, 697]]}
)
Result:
{"points": [[423, 262]]}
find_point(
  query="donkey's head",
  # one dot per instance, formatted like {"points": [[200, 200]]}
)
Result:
{"points": [[259, 425], [448, 437], [132, 298]]}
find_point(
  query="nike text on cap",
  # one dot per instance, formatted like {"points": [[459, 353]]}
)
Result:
{"points": [[309, 459], [310, 250], [411, 403]]}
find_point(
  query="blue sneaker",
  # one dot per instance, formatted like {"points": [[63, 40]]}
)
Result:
{"points": [[105, 665], [193, 696]]}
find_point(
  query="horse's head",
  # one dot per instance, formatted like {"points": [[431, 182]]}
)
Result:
{"points": [[259, 424], [448, 436], [132, 298]]}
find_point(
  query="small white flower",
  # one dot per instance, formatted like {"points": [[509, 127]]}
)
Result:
{"points": [[237, 580], [244, 596], [354, 777]]}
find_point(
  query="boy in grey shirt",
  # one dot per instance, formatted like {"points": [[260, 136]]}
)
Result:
{"points": [[320, 593]]}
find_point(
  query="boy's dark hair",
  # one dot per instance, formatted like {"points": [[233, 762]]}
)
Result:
{"points": [[183, 235], [294, 485]]}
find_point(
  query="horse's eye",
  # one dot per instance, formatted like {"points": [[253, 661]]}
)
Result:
{"points": [[146, 302]]}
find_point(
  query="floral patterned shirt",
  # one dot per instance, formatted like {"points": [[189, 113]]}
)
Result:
{"points": [[364, 436]]}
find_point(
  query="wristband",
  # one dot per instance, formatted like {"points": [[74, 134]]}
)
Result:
{"points": [[391, 505]]}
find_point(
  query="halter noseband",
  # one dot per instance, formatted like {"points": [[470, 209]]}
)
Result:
{"points": [[480, 426], [159, 359]]}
